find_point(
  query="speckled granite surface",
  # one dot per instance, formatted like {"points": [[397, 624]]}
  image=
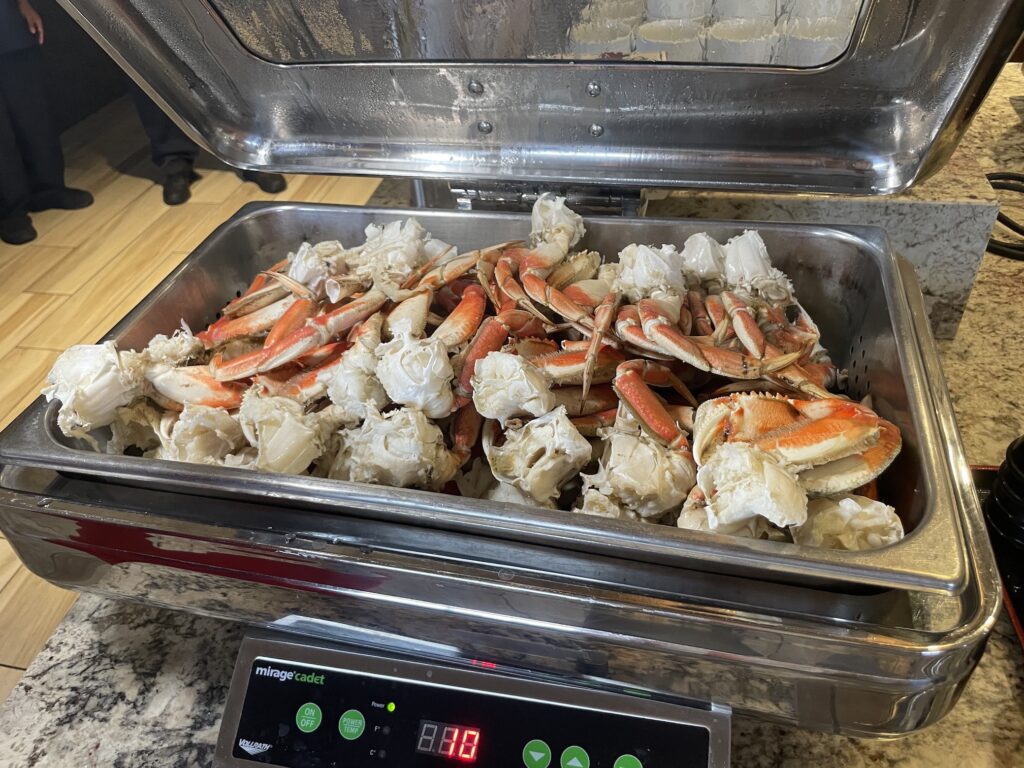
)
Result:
{"points": [[123, 685]]}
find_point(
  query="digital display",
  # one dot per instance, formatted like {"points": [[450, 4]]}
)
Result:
{"points": [[458, 742]]}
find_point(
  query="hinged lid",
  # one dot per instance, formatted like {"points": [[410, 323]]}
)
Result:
{"points": [[813, 95]]}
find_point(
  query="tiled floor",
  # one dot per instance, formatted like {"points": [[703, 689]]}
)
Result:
{"points": [[83, 273]]}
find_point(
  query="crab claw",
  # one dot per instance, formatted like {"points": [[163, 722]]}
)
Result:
{"points": [[191, 385]]}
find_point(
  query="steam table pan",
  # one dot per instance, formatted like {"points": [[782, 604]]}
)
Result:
{"points": [[847, 278]]}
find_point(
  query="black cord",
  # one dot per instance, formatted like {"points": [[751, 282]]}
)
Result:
{"points": [[1011, 182]]}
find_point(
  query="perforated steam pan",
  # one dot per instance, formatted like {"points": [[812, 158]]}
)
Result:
{"points": [[847, 278]]}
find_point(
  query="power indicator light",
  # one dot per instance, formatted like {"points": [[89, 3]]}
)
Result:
{"points": [[391, 706]]}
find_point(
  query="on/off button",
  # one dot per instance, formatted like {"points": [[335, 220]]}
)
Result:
{"points": [[308, 717]]}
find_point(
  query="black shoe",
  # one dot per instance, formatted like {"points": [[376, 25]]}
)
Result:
{"points": [[17, 230], [271, 183], [66, 199], [178, 181]]}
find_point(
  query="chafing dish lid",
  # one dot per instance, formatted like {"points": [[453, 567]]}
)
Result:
{"points": [[816, 95]]}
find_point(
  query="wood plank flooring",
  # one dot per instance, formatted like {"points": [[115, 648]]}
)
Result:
{"points": [[81, 276]]}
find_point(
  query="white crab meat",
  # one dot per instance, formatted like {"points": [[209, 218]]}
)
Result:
{"points": [[179, 348], [848, 522], [749, 270], [353, 385], [92, 381], [704, 260], [741, 483], [314, 265], [434, 248], [478, 482], [552, 221], [200, 435], [135, 425], [287, 438], [246, 458], [540, 456], [417, 373], [506, 385], [595, 503], [645, 270], [642, 476], [509, 494], [694, 517], [391, 251], [401, 448]]}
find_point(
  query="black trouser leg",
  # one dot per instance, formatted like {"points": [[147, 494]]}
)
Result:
{"points": [[13, 179], [33, 161], [166, 140]]}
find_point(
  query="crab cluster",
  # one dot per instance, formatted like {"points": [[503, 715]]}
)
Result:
{"points": [[682, 387]]}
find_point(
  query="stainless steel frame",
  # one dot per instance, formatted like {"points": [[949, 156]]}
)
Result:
{"points": [[263, 645], [847, 279], [863, 665], [885, 114]]}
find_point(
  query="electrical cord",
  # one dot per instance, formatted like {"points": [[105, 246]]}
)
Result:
{"points": [[1011, 182]]}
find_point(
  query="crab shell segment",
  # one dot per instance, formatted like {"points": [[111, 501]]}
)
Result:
{"points": [[834, 445]]}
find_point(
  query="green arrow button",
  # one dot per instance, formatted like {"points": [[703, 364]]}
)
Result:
{"points": [[628, 761], [575, 757], [536, 754], [308, 717]]}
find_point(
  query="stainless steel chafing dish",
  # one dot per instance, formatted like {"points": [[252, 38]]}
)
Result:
{"points": [[869, 644]]}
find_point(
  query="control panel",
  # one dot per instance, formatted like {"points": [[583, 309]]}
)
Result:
{"points": [[309, 706]]}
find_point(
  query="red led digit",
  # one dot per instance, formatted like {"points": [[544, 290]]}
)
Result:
{"points": [[467, 747], [449, 741]]}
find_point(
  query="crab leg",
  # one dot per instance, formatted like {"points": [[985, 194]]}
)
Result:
{"points": [[589, 425], [744, 324], [315, 333], [505, 277], [192, 384], [659, 327], [647, 407], [491, 337], [603, 316], [465, 319], [310, 384], [701, 321], [417, 274], [453, 269], [465, 433], [410, 315], [577, 268], [577, 404], [293, 319], [253, 324], [628, 327], [554, 299], [261, 291], [568, 367]]}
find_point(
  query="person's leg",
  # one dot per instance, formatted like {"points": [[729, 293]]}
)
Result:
{"points": [[24, 91], [15, 225], [167, 141], [172, 151]]}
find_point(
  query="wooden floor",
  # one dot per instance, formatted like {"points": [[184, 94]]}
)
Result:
{"points": [[83, 273]]}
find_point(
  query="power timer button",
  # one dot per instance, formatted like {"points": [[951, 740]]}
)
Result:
{"points": [[308, 717], [628, 761], [536, 754]]}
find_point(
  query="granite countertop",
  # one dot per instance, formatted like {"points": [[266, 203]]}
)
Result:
{"points": [[126, 685]]}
